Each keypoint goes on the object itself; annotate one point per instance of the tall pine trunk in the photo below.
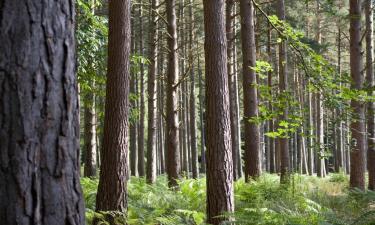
(39, 115)
(112, 190)
(219, 153)
(283, 86)
(357, 126)
(152, 96)
(252, 167)
(172, 151)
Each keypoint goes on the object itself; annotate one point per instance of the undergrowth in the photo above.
(308, 201)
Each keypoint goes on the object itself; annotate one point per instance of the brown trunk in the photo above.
(112, 190)
(357, 126)
(193, 127)
(152, 96)
(370, 83)
(220, 198)
(283, 86)
(141, 130)
(252, 167)
(172, 151)
(39, 115)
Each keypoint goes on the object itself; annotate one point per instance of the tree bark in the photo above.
(252, 167)
(172, 154)
(370, 83)
(193, 126)
(39, 115)
(219, 153)
(283, 86)
(357, 126)
(141, 129)
(152, 96)
(112, 190)
(90, 136)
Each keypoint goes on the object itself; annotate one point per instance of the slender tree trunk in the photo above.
(201, 118)
(340, 133)
(370, 83)
(141, 130)
(39, 115)
(283, 85)
(219, 153)
(133, 104)
(152, 96)
(193, 127)
(90, 136)
(112, 190)
(357, 126)
(252, 139)
(173, 155)
(271, 141)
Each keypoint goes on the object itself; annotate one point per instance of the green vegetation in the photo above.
(308, 201)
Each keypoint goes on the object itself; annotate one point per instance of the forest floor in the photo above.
(307, 201)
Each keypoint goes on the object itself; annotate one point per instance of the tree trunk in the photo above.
(201, 118)
(283, 86)
(370, 83)
(252, 139)
(90, 136)
(193, 127)
(357, 126)
(219, 153)
(152, 96)
(173, 155)
(141, 130)
(133, 103)
(112, 190)
(39, 115)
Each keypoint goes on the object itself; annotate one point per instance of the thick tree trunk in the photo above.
(152, 96)
(357, 126)
(90, 136)
(141, 128)
(283, 85)
(172, 153)
(252, 167)
(219, 153)
(112, 190)
(39, 115)
(370, 83)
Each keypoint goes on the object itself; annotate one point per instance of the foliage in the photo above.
(309, 201)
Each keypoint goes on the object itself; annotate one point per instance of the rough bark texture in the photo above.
(370, 83)
(39, 115)
(219, 153)
(233, 89)
(141, 128)
(112, 190)
(193, 126)
(283, 86)
(252, 167)
(172, 151)
(90, 136)
(357, 126)
(152, 96)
